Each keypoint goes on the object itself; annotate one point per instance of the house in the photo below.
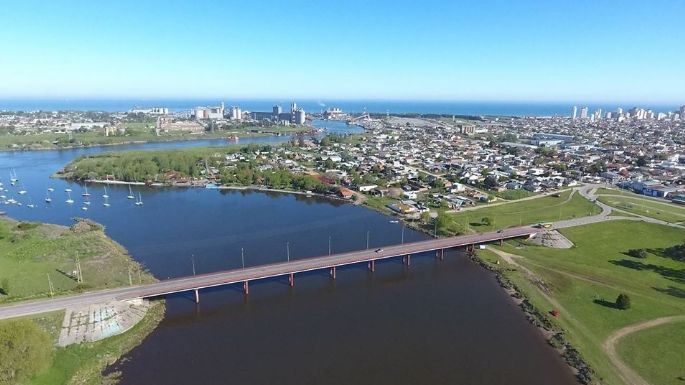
(346, 193)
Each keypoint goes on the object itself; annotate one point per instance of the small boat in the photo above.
(13, 177)
(130, 193)
(84, 208)
(87, 203)
(85, 193)
(394, 221)
(67, 190)
(105, 194)
(69, 200)
(30, 205)
(51, 189)
(47, 197)
(140, 200)
(106, 204)
(23, 190)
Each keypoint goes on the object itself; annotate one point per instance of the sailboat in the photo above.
(86, 193)
(67, 190)
(140, 200)
(69, 200)
(30, 205)
(51, 189)
(105, 194)
(106, 204)
(23, 190)
(13, 177)
(47, 197)
(130, 193)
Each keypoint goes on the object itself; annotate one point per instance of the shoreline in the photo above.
(165, 140)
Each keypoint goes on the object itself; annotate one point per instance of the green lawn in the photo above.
(667, 212)
(595, 270)
(666, 353)
(512, 195)
(543, 209)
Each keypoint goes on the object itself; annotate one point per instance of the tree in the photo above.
(623, 301)
(25, 350)
(486, 221)
(637, 253)
(490, 182)
(641, 161)
(5, 286)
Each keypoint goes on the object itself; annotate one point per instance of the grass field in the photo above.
(666, 353)
(585, 280)
(30, 252)
(512, 195)
(667, 212)
(543, 209)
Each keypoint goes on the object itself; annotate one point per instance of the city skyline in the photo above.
(580, 53)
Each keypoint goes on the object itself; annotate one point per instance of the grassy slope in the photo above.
(598, 257)
(40, 250)
(543, 209)
(665, 354)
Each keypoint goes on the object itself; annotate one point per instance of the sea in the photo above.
(470, 108)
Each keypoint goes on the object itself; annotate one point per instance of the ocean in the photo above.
(373, 106)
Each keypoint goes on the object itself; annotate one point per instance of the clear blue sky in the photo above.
(577, 51)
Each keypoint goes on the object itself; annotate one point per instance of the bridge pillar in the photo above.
(332, 273)
(441, 254)
(246, 287)
(291, 279)
(407, 259)
(501, 241)
(197, 296)
(372, 265)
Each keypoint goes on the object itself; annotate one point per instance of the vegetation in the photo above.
(545, 209)
(578, 281)
(662, 363)
(84, 363)
(135, 133)
(667, 212)
(623, 301)
(36, 251)
(512, 195)
(233, 165)
(637, 253)
(25, 350)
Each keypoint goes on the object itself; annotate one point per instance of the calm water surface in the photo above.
(430, 323)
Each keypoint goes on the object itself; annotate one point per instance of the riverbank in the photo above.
(51, 141)
(39, 260)
(574, 292)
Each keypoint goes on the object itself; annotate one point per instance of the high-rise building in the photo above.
(277, 110)
(682, 112)
(583, 113)
(575, 112)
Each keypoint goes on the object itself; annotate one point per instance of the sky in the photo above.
(524, 50)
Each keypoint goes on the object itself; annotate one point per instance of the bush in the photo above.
(25, 350)
(623, 301)
(5, 286)
(637, 253)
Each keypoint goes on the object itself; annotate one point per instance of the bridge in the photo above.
(245, 275)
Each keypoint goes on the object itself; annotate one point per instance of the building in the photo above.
(209, 112)
(235, 113)
(584, 113)
(277, 110)
(333, 113)
(682, 112)
(575, 112)
(466, 128)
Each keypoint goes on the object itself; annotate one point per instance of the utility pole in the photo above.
(52, 288)
(130, 280)
(192, 259)
(242, 256)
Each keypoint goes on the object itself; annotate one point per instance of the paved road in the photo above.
(253, 273)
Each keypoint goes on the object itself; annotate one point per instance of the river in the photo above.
(434, 322)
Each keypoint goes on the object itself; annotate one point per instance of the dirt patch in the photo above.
(551, 238)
